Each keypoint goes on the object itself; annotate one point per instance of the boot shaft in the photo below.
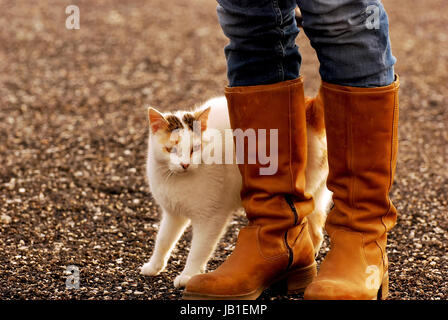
(361, 126)
(276, 202)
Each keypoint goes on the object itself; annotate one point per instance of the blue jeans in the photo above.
(351, 39)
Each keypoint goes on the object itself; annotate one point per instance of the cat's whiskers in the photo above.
(163, 169)
(169, 175)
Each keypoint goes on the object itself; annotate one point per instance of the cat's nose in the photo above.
(185, 165)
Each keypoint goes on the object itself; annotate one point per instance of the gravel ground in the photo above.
(73, 133)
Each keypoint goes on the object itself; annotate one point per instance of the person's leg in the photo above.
(262, 48)
(360, 96)
(265, 93)
(351, 39)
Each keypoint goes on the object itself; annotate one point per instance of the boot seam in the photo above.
(291, 178)
(365, 255)
(363, 249)
(393, 138)
(350, 165)
(392, 141)
(290, 140)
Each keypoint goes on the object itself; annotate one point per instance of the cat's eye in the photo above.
(196, 148)
(171, 149)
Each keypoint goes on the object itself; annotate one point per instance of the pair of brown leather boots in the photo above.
(361, 127)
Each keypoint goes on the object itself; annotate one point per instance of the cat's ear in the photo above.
(202, 116)
(156, 120)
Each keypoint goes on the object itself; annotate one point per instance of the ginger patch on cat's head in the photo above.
(201, 117)
(170, 123)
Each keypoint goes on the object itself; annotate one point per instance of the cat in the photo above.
(207, 195)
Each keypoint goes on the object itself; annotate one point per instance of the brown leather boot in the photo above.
(276, 244)
(361, 127)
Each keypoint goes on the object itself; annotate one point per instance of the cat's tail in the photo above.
(315, 114)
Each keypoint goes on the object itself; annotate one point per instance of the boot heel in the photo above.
(383, 292)
(299, 279)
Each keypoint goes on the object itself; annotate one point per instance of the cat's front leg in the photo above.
(206, 235)
(171, 228)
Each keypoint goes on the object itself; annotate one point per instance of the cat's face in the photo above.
(176, 139)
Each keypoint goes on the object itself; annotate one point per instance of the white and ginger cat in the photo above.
(207, 195)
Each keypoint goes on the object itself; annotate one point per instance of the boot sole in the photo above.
(297, 280)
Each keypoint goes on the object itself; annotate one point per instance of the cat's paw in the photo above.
(152, 268)
(182, 279)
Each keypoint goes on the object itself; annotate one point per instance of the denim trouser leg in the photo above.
(262, 35)
(351, 39)
(352, 48)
